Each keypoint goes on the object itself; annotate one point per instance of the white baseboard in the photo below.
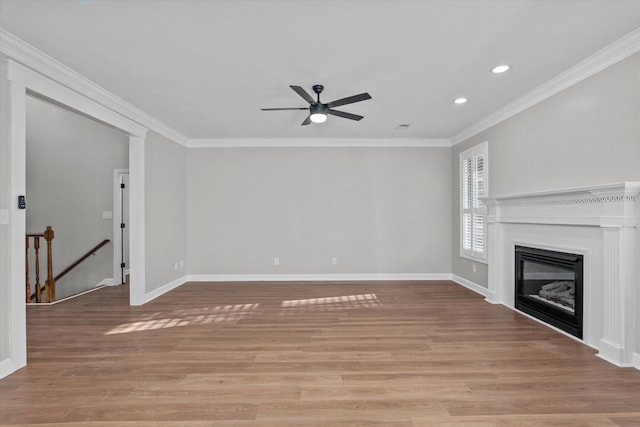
(471, 285)
(107, 282)
(150, 296)
(44, 304)
(636, 361)
(6, 368)
(313, 277)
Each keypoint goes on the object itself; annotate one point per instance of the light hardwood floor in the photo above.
(308, 354)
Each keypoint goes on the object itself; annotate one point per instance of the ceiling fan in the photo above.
(318, 111)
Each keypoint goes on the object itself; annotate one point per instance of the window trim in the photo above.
(481, 149)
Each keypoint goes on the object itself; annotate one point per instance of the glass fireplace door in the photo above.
(549, 287)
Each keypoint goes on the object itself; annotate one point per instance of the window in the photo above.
(473, 186)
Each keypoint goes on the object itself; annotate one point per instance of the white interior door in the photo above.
(121, 226)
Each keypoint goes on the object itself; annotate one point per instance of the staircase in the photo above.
(32, 240)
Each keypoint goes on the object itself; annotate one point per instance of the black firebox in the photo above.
(549, 287)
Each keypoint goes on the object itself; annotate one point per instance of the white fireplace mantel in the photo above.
(598, 222)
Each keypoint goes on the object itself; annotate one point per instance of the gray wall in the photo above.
(70, 164)
(377, 210)
(589, 134)
(165, 211)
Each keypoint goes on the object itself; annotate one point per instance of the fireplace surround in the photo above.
(598, 223)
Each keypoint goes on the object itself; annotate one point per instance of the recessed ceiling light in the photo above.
(498, 69)
(460, 101)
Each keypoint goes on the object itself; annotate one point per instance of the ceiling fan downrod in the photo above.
(318, 90)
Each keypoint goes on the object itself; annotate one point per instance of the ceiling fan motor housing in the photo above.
(317, 108)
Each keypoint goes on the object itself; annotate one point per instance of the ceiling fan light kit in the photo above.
(318, 111)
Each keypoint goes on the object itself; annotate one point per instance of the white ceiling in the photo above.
(206, 67)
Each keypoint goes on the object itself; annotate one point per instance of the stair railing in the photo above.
(49, 288)
(50, 283)
(82, 258)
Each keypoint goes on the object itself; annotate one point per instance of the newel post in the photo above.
(50, 283)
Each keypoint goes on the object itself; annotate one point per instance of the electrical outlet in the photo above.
(474, 268)
(175, 267)
(181, 263)
(334, 261)
(276, 261)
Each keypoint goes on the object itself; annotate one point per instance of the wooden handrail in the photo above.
(82, 258)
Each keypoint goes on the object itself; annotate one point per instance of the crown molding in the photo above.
(318, 142)
(27, 55)
(604, 58)
(53, 92)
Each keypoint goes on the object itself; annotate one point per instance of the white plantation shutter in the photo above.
(473, 186)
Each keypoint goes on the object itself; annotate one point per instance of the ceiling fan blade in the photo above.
(282, 109)
(303, 93)
(349, 100)
(344, 115)
(307, 121)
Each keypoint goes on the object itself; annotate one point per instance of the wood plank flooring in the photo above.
(399, 354)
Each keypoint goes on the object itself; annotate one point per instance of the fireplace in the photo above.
(600, 223)
(549, 286)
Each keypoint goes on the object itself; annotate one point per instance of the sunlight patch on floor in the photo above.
(345, 302)
(195, 316)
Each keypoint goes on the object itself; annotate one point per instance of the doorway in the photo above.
(16, 81)
(69, 165)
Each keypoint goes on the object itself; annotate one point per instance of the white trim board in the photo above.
(6, 368)
(319, 142)
(52, 91)
(150, 296)
(314, 277)
(137, 220)
(103, 284)
(14, 139)
(470, 285)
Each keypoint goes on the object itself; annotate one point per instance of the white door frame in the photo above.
(19, 80)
